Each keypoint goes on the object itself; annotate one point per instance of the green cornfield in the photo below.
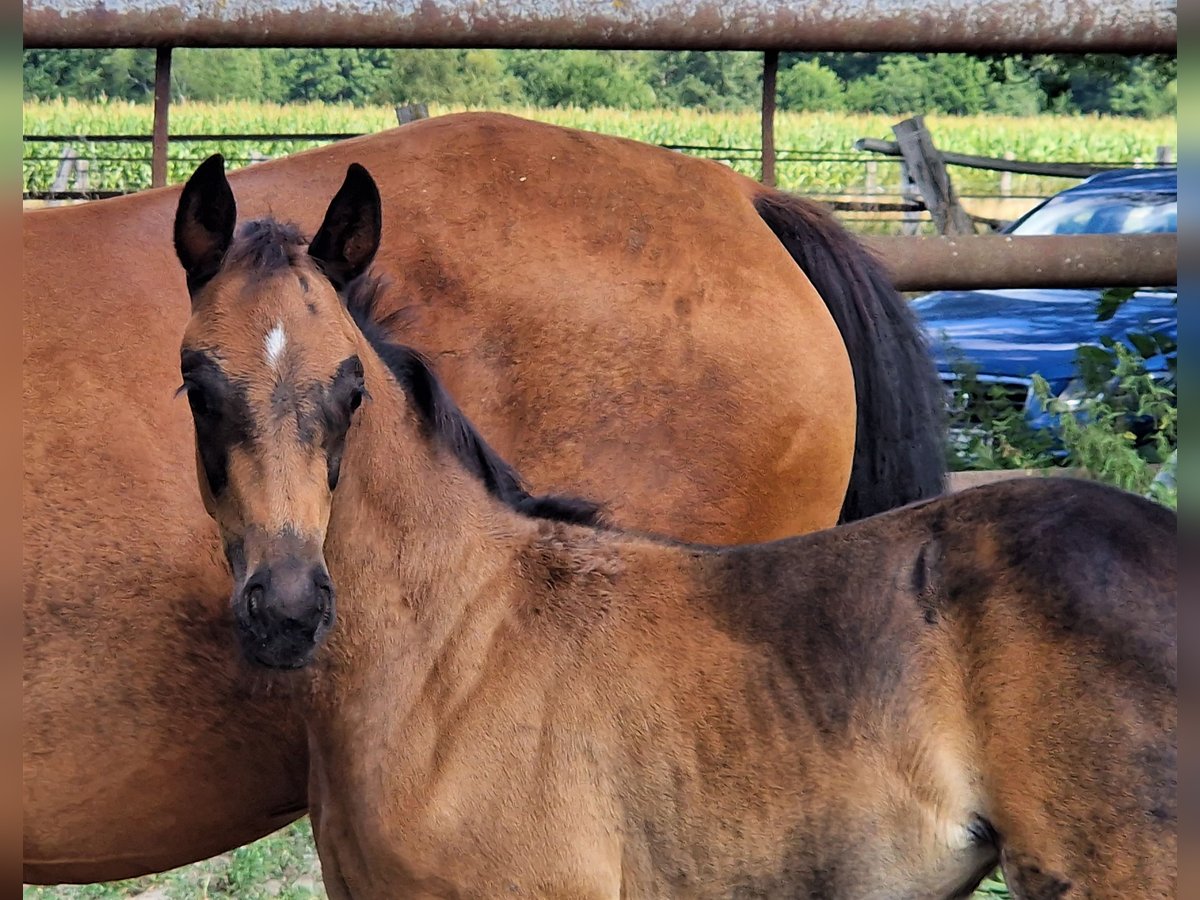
(816, 152)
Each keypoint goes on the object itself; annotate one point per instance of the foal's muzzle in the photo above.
(283, 611)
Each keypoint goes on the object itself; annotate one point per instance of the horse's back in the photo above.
(685, 346)
(1079, 561)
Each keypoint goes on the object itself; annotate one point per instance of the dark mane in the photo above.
(265, 245)
(449, 424)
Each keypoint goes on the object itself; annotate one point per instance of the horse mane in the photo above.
(449, 424)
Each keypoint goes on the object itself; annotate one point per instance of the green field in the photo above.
(1044, 138)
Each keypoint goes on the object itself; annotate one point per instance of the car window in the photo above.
(1133, 213)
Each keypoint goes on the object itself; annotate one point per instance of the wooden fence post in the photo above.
(928, 170)
(411, 112)
(67, 162)
(910, 220)
(1006, 177)
(1162, 155)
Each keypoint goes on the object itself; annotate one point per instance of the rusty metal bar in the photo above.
(1005, 261)
(770, 69)
(1130, 26)
(162, 108)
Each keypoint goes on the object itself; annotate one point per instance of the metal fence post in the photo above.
(770, 68)
(162, 102)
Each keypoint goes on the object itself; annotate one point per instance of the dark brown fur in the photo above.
(691, 379)
(517, 706)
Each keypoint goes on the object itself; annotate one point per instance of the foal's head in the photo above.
(272, 375)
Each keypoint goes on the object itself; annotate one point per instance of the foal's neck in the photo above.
(422, 557)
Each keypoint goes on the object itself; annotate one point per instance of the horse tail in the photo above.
(899, 450)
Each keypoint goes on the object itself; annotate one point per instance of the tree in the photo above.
(1150, 90)
(940, 82)
(809, 86)
(89, 74)
(709, 79)
(1093, 82)
(337, 75)
(585, 78)
(213, 75)
(470, 77)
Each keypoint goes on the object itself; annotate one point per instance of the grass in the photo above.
(282, 866)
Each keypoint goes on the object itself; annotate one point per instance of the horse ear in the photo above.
(204, 222)
(349, 236)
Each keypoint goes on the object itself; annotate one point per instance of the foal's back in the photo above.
(891, 708)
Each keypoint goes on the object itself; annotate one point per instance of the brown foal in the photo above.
(513, 700)
(712, 359)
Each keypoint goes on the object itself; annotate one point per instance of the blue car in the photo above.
(1006, 336)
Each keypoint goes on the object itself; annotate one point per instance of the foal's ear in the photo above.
(204, 222)
(349, 236)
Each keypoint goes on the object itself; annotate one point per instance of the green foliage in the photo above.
(989, 429)
(215, 75)
(1099, 434)
(1120, 424)
(1100, 82)
(337, 75)
(89, 74)
(474, 78)
(1143, 95)
(892, 84)
(940, 82)
(583, 78)
(808, 86)
(1015, 95)
(707, 79)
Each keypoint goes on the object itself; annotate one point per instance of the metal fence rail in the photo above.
(1129, 26)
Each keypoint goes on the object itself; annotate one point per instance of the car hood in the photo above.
(1016, 333)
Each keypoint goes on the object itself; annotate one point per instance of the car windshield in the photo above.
(1132, 213)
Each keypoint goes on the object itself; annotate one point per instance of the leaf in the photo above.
(1145, 344)
(1111, 299)
(1166, 343)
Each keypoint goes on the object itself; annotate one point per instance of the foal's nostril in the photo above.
(254, 596)
(254, 593)
(324, 588)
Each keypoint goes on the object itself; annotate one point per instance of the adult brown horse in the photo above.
(625, 321)
(511, 703)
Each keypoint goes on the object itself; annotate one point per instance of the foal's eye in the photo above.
(198, 401)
